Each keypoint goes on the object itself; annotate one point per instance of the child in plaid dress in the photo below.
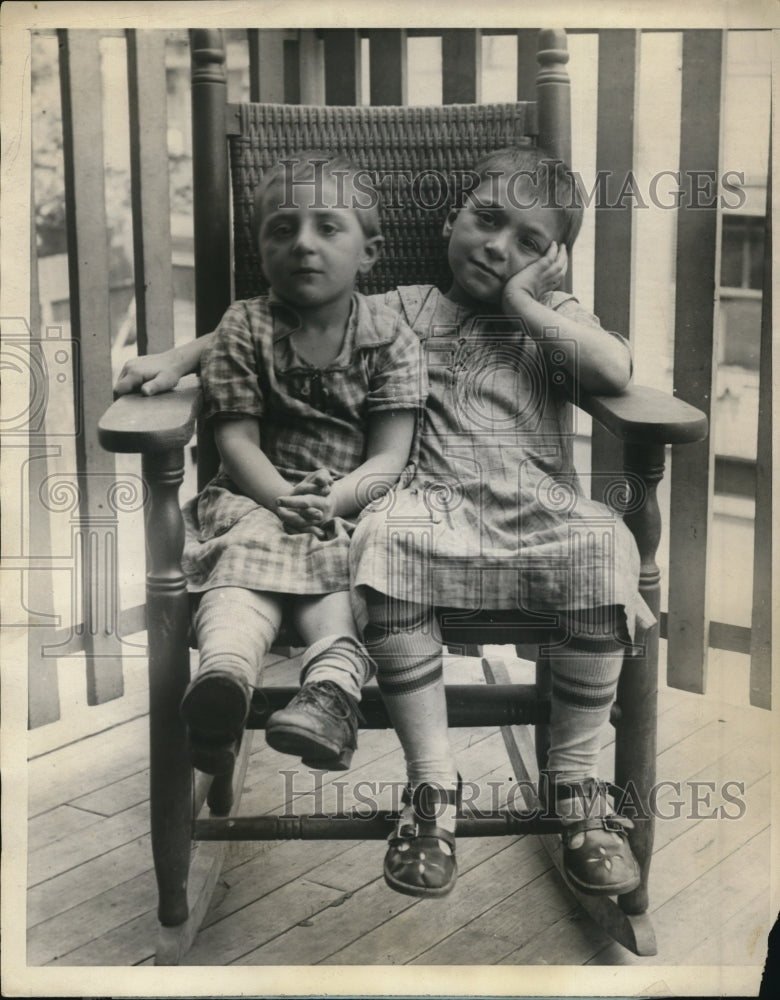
(313, 393)
(494, 515)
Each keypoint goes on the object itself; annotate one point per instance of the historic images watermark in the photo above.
(433, 190)
(365, 799)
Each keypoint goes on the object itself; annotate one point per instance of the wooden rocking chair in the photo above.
(243, 140)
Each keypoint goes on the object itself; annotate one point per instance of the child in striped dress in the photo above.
(494, 516)
(313, 393)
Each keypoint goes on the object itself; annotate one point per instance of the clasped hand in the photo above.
(310, 505)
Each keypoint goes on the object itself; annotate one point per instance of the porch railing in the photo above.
(319, 67)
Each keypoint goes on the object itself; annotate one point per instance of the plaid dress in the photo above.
(310, 418)
(494, 515)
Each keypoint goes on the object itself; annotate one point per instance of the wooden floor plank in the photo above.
(504, 927)
(401, 939)
(740, 940)
(99, 838)
(127, 944)
(571, 940)
(117, 796)
(372, 907)
(51, 826)
(61, 935)
(227, 940)
(88, 881)
(675, 811)
(61, 776)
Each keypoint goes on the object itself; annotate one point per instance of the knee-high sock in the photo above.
(585, 674)
(235, 630)
(404, 642)
(338, 658)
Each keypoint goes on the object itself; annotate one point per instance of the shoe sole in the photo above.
(315, 753)
(215, 710)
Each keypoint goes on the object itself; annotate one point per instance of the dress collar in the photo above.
(367, 325)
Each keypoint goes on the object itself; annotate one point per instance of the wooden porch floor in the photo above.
(91, 896)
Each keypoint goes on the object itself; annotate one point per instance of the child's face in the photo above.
(312, 256)
(496, 234)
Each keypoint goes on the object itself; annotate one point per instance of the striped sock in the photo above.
(404, 642)
(585, 673)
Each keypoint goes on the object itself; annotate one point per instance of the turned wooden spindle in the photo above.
(553, 94)
(168, 617)
(211, 202)
(635, 733)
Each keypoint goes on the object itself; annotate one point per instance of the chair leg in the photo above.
(635, 757)
(637, 696)
(167, 613)
(170, 801)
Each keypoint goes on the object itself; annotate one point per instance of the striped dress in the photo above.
(494, 515)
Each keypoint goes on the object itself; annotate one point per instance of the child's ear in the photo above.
(449, 222)
(372, 247)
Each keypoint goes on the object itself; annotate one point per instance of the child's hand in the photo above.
(318, 482)
(305, 512)
(544, 275)
(149, 374)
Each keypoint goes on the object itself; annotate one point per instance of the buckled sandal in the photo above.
(597, 857)
(215, 708)
(420, 858)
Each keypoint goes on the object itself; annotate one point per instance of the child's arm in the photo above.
(389, 440)
(150, 374)
(599, 361)
(238, 441)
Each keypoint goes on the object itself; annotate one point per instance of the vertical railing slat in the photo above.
(149, 190)
(461, 51)
(94, 530)
(617, 92)
(292, 71)
(266, 65)
(388, 66)
(526, 64)
(698, 263)
(761, 630)
(342, 66)
(311, 67)
(43, 696)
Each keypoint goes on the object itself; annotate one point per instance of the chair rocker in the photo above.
(243, 140)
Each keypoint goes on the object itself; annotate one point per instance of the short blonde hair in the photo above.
(311, 165)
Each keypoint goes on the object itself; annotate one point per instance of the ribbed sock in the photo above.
(404, 642)
(585, 673)
(341, 659)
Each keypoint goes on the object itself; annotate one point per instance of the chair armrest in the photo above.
(642, 415)
(145, 424)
